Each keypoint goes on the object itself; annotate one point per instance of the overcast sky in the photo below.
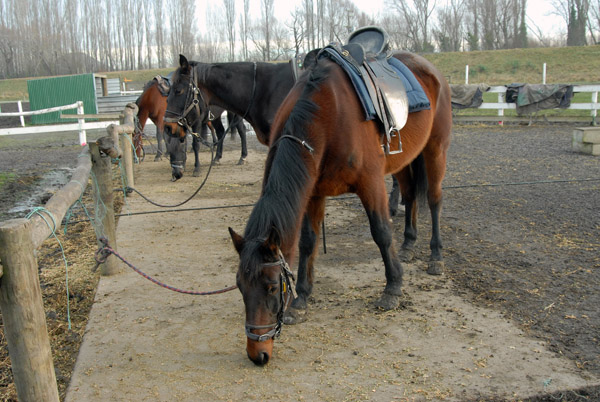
(539, 11)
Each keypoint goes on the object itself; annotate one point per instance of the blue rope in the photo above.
(39, 211)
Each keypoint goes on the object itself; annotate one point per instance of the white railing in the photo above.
(80, 126)
(592, 106)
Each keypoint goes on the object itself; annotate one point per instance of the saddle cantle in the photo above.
(386, 88)
(164, 84)
(374, 40)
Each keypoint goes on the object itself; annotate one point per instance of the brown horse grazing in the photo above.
(322, 146)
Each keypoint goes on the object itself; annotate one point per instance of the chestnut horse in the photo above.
(152, 104)
(322, 146)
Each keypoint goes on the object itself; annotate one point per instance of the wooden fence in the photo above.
(20, 294)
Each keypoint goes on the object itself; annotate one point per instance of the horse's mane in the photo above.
(286, 176)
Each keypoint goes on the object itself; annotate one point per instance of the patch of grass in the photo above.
(5, 178)
(572, 65)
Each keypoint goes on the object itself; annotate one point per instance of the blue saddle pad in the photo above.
(417, 99)
(416, 96)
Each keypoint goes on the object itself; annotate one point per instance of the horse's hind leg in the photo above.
(435, 163)
(242, 131)
(394, 200)
(309, 234)
(410, 214)
(374, 199)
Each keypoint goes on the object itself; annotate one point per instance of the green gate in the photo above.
(59, 91)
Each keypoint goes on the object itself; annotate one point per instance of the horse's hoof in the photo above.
(196, 173)
(216, 162)
(406, 254)
(388, 302)
(157, 158)
(294, 316)
(435, 267)
(242, 161)
(299, 303)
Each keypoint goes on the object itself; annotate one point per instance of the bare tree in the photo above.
(575, 15)
(594, 21)
(296, 26)
(266, 25)
(244, 26)
(183, 26)
(450, 32)
(416, 15)
(230, 26)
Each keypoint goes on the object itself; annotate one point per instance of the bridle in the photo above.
(287, 292)
(192, 102)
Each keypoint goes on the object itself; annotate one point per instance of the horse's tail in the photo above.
(419, 178)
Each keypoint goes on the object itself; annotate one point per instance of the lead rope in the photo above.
(105, 251)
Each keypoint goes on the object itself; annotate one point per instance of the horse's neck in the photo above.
(226, 87)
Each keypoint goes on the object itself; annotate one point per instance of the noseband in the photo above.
(287, 292)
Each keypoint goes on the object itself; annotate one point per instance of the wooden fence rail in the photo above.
(20, 294)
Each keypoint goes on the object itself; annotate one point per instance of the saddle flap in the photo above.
(393, 92)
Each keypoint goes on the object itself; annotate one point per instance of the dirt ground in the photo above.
(513, 318)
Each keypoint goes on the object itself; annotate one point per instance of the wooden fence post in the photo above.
(103, 195)
(127, 158)
(23, 315)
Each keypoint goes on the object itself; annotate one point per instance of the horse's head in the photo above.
(187, 109)
(266, 284)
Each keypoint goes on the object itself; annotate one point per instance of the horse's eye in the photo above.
(273, 289)
(180, 92)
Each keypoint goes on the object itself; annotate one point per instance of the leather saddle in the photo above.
(381, 91)
(164, 84)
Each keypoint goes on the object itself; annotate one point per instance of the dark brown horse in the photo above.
(152, 103)
(322, 146)
(251, 90)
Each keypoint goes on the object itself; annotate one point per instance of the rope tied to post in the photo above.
(104, 251)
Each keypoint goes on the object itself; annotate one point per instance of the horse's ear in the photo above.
(274, 240)
(238, 241)
(183, 62)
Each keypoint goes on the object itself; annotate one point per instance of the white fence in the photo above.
(80, 126)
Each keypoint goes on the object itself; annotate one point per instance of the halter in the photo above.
(192, 102)
(286, 281)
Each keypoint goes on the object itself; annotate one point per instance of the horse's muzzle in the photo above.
(176, 172)
(259, 352)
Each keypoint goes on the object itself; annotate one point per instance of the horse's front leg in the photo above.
(309, 234)
(196, 148)
(242, 131)
(374, 199)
